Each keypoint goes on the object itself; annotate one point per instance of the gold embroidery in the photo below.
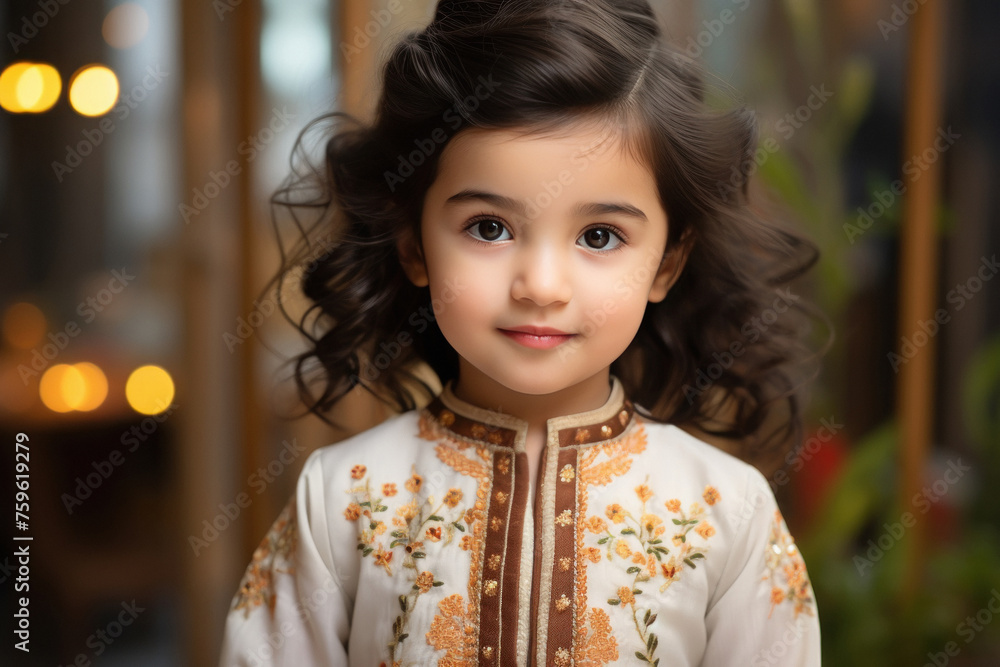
(606, 431)
(582, 436)
(565, 518)
(501, 497)
(503, 463)
(562, 658)
(447, 417)
(565, 563)
(562, 604)
(495, 437)
(496, 523)
(478, 431)
(623, 417)
(494, 563)
(567, 474)
(491, 587)
(488, 652)
(272, 556)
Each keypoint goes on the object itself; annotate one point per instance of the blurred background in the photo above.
(144, 359)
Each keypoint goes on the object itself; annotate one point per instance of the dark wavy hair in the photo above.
(715, 356)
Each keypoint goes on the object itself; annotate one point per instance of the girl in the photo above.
(544, 212)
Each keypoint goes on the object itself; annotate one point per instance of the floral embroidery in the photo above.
(257, 587)
(639, 543)
(787, 570)
(567, 474)
(414, 522)
(452, 632)
(594, 642)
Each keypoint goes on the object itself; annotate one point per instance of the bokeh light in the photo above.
(93, 90)
(9, 79)
(95, 387)
(38, 88)
(125, 25)
(29, 87)
(24, 325)
(149, 390)
(53, 384)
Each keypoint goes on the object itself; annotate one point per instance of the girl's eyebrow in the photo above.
(511, 204)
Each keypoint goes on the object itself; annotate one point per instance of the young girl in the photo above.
(544, 212)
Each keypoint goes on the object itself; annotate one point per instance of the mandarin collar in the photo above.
(488, 427)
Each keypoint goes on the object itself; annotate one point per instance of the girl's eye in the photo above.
(489, 230)
(600, 238)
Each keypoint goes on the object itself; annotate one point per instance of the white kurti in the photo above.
(423, 542)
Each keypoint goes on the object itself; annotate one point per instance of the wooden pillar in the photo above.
(919, 271)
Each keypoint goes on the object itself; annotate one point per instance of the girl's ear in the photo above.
(670, 268)
(412, 259)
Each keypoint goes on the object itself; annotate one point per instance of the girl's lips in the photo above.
(539, 338)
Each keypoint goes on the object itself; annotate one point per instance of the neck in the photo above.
(535, 409)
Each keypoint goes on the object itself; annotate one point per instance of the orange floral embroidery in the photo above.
(711, 495)
(383, 559)
(452, 633)
(616, 513)
(269, 558)
(352, 512)
(596, 525)
(414, 484)
(453, 497)
(358, 471)
(595, 644)
(623, 550)
(593, 555)
(787, 571)
(673, 505)
(643, 492)
(424, 581)
(705, 529)
(625, 595)
(433, 533)
(652, 524)
(389, 490)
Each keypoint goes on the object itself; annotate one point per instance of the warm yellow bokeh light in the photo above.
(24, 325)
(149, 390)
(52, 385)
(125, 25)
(93, 90)
(95, 387)
(8, 86)
(38, 88)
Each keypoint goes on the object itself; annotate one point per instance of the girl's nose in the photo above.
(543, 278)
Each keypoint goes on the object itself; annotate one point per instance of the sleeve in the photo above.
(290, 608)
(763, 613)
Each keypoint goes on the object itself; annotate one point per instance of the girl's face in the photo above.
(541, 253)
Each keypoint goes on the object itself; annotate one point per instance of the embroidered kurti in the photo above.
(424, 542)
